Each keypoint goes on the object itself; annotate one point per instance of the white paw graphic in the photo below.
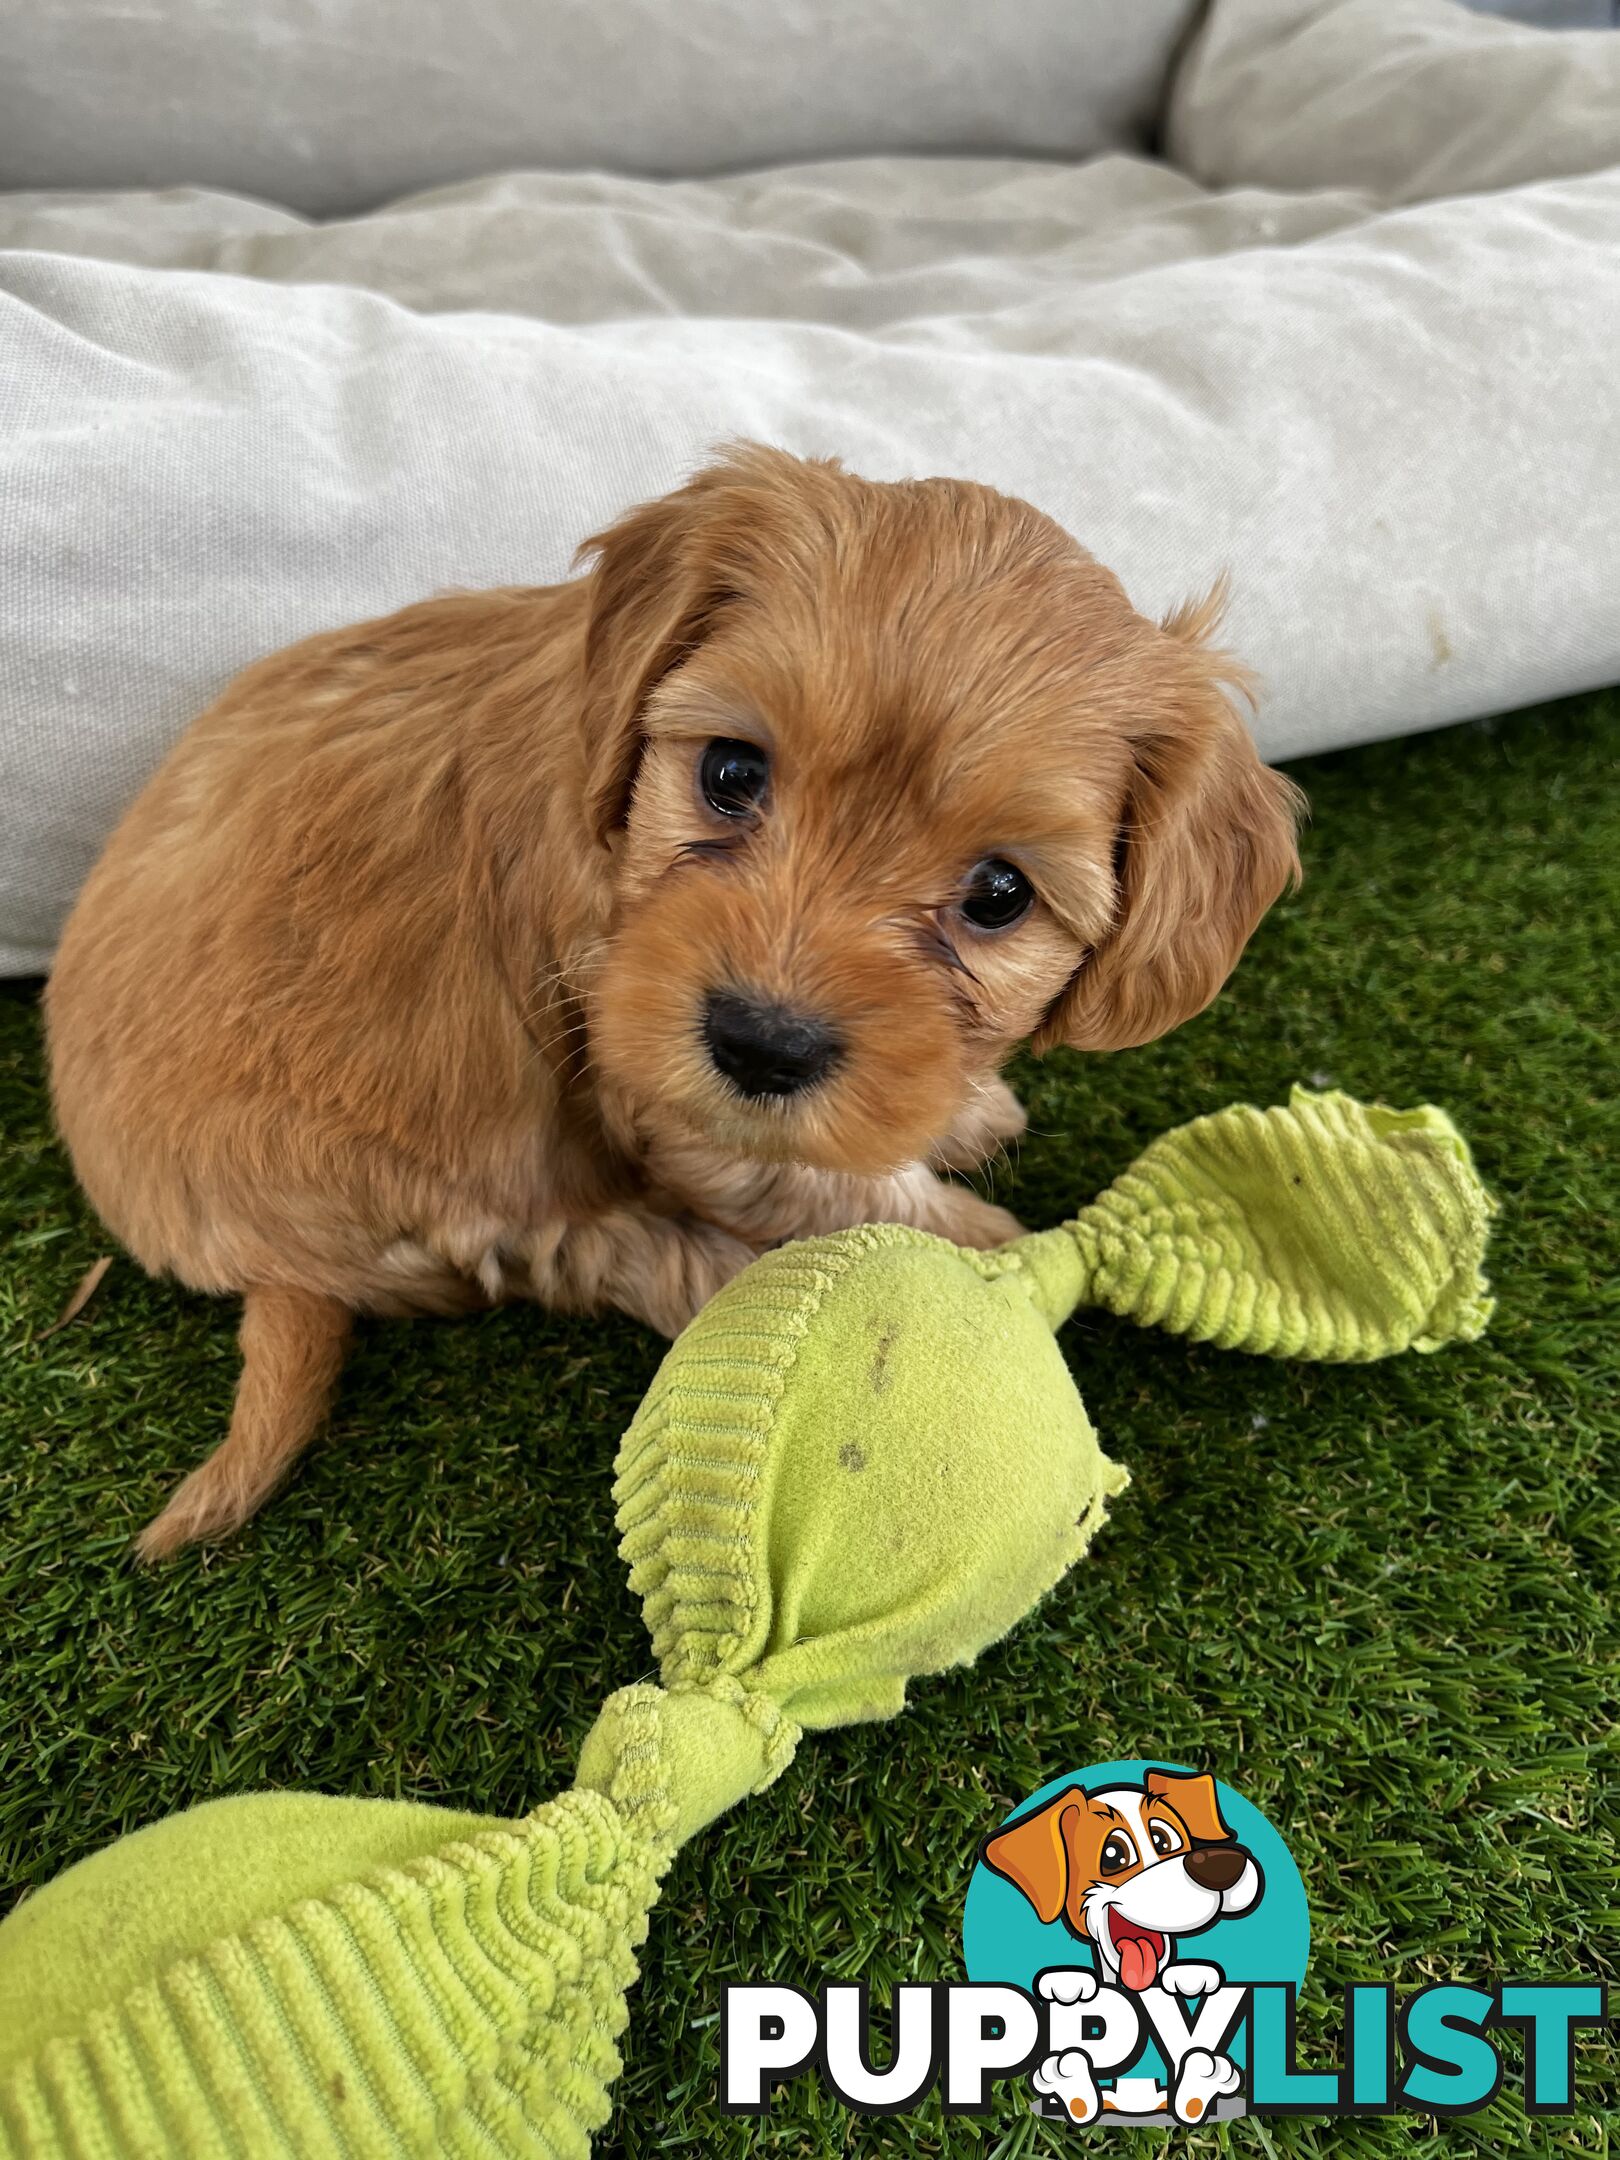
(1202, 2078)
(1068, 2077)
(1068, 1984)
(1190, 1979)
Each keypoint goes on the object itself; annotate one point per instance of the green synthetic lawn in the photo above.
(1374, 1598)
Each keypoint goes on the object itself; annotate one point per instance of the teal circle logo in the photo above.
(1127, 1887)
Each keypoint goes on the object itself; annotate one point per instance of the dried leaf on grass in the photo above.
(88, 1284)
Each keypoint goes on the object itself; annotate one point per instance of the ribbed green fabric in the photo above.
(864, 1461)
(1327, 1229)
(466, 2003)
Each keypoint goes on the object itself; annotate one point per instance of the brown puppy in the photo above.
(577, 943)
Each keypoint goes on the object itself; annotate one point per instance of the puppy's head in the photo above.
(894, 778)
(1130, 1869)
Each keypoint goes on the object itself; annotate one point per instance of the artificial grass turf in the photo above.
(1377, 1599)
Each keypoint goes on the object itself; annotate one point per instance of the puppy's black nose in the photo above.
(1216, 1867)
(765, 1049)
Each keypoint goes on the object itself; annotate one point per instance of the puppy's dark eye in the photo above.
(1163, 1838)
(997, 895)
(1118, 1852)
(733, 776)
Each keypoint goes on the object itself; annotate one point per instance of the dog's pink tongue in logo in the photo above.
(1140, 1952)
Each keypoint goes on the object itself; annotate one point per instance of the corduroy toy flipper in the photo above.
(864, 1461)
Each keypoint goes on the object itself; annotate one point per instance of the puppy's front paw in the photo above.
(661, 1269)
(1202, 2079)
(700, 1259)
(990, 1117)
(1067, 1984)
(1188, 1978)
(967, 1220)
(1070, 2079)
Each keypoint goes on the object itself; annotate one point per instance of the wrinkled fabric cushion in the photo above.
(1407, 98)
(223, 426)
(1388, 430)
(337, 107)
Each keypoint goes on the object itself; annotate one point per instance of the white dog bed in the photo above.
(1355, 340)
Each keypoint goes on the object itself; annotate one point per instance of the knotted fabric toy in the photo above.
(865, 1460)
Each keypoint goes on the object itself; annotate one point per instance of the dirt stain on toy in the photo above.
(852, 1457)
(880, 1375)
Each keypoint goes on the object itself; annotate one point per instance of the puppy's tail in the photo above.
(293, 1343)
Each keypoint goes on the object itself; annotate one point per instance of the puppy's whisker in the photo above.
(547, 994)
(538, 1018)
(1006, 1158)
(560, 1036)
(550, 987)
(555, 1042)
(577, 1025)
(579, 963)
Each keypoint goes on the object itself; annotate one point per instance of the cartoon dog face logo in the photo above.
(1129, 1870)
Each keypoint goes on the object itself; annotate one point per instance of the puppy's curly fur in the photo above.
(388, 994)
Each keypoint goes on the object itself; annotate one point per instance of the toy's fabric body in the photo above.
(864, 1461)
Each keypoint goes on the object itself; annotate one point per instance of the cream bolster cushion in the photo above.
(335, 107)
(1407, 98)
(1394, 433)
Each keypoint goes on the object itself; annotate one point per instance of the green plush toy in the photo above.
(865, 1460)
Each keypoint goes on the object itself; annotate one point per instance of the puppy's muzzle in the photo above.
(765, 1049)
(1216, 1867)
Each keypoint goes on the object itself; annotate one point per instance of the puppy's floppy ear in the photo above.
(1195, 1801)
(1206, 843)
(658, 580)
(1033, 1854)
(662, 577)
